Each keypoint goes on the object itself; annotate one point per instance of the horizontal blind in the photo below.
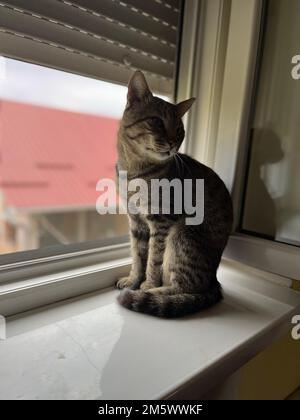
(105, 39)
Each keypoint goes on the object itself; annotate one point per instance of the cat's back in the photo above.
(196, 170)
(216, 195)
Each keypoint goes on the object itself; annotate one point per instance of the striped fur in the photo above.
(168, 305)
(174, 265)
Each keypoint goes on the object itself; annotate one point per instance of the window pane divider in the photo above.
(41, 289)
(60, 262)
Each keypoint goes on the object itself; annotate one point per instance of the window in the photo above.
(272, 198)
(251, 43)
(58, 123)
(106, 41)
(58, 138)
(64, 67)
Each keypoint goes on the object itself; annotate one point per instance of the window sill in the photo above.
(91, 348)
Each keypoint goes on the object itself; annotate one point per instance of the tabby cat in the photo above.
(174, 264)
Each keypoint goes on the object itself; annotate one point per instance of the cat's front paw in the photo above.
(124, 282)
(146, 285)
(128, 282)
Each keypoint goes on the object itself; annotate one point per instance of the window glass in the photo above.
(57, 139)
(272, 198)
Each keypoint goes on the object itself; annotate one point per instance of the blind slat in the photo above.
(34, 27)
(101, 26)
(155, 10)
(117, 36)
(37, 53)
(125, 15)
(175, 4)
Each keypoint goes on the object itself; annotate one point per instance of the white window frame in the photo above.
(36, 282)
(226, 61)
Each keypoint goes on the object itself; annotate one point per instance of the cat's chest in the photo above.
(135, 196)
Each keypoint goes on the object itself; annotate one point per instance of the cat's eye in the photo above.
(157, 122)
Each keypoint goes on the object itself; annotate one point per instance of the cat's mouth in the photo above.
(162, 155)
(170, 152)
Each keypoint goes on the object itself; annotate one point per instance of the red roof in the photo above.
(53, 158)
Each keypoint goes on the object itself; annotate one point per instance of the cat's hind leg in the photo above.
(190, 261)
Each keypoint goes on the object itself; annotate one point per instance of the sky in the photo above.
(42, 86)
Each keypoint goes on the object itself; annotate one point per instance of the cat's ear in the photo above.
(184, 106)
(138, 89)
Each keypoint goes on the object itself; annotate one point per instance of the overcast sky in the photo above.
(29, 83)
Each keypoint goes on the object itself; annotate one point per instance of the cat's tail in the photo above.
(168, 305)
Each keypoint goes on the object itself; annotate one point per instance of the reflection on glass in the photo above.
(272, 199)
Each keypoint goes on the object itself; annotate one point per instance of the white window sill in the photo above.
(91, 348)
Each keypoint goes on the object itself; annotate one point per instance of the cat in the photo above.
(174, 264)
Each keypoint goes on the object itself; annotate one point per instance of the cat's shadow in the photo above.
(260, 213)
(145, 339)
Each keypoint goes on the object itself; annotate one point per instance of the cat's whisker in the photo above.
(180, 163)
(183, 164)
(177, 164)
